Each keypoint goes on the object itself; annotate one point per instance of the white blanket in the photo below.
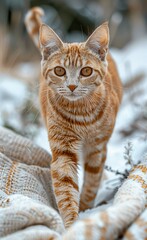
(28, 209)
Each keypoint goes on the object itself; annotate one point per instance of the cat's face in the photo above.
(74, 70)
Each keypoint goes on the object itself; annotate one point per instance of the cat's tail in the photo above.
(33, 20)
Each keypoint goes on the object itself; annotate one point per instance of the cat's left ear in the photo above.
(98, 42)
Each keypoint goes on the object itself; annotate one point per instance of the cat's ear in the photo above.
(98, 42)
(49, 41)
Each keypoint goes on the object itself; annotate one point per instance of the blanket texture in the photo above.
(28, 209)
(27, 205)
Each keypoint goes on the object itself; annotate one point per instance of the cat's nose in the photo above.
(72, 87)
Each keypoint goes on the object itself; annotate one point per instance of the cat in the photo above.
(80, 94)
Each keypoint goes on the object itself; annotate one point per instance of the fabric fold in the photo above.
(26, 194)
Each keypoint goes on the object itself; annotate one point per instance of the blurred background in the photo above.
(74, 21)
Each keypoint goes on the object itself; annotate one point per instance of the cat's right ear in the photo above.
(49, 41)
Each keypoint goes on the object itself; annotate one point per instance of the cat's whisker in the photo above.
(107, 83)
(37, 114)
(11, 62)
(37, 86)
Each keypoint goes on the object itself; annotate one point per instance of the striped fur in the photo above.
(79, 122)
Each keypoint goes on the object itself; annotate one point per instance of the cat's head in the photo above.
(74, 70)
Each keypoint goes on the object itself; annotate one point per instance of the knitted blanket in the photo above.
(28, 209)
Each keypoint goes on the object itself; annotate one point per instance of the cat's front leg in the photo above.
(65, 183)
(94, 162)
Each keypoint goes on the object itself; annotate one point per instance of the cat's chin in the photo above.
(72, 97)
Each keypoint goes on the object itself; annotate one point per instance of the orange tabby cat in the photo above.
(80, 93)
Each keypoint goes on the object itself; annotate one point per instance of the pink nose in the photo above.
(72, 87)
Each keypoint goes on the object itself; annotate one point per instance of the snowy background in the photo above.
(20, 68)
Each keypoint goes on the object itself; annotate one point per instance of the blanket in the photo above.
(28, 208)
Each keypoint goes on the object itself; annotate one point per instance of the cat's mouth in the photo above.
(72, 96)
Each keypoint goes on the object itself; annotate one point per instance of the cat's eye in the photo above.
(86, 71)
(59, 71)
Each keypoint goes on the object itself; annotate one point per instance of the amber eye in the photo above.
(59, 71)
(86, 71)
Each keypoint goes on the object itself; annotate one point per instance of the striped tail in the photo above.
(33, 20)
